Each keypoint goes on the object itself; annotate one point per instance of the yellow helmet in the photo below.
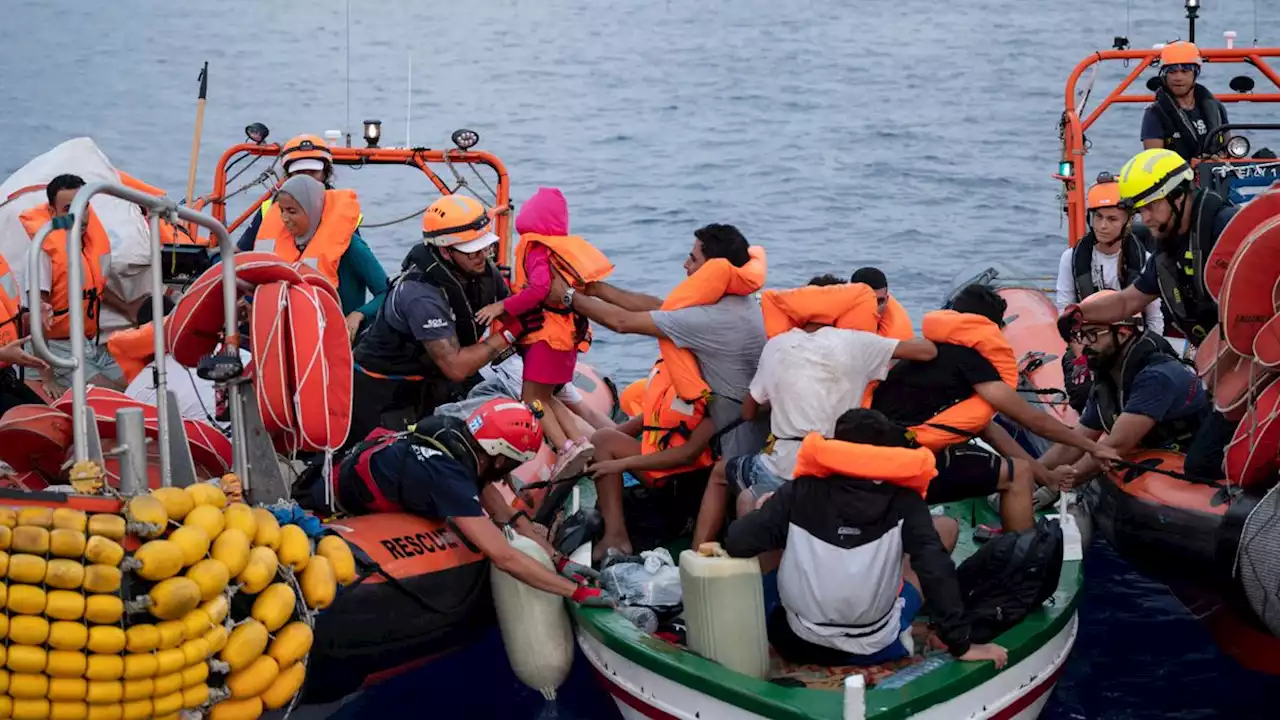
(1151, 175)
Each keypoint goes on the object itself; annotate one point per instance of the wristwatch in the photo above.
(567, 298)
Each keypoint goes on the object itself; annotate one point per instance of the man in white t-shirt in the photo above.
(808, 377)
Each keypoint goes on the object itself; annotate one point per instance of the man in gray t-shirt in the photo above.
(726, 338)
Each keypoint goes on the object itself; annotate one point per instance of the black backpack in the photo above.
(1009, 577)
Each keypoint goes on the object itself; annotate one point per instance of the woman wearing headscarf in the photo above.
(318, 227)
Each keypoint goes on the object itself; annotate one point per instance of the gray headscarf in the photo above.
(309, 193)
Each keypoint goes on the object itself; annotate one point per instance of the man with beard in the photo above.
(1184, 112)
(1143, 396)
(425, 347)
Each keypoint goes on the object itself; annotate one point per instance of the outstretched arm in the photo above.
(1124, 437)
(617, 319)
(625, 299)
(915, 349)
(493, 544)
(459, 363)
(1008, 401)
(1116, 306)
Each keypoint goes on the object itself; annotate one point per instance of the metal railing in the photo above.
(157, 208)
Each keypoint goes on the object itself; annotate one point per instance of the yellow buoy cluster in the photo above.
(94, 631)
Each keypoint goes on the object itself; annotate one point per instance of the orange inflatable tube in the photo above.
(969, 416)
(910, 468)
(1032, 334)
(1261, 208)
(1164, 490)
(715, 279)
(35, 438)
(1248, 306)
(848, 307)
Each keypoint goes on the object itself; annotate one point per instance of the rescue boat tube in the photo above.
(35, 438)
(1170, 529)
(534, 624)
(1251, 456)
(1260, 209)
(210, 449)
(598, 392)
(1031, 328)
(195, 326)
(1248, 291)
(419, 592)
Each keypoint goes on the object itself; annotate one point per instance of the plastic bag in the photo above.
(653, 581)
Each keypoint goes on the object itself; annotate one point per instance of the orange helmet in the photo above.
(1179, 53)
(460, 222)
(306, 147)
(1105, 193)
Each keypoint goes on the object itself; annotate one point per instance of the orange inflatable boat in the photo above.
(1031, 327)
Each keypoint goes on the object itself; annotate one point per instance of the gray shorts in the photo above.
(97, 361)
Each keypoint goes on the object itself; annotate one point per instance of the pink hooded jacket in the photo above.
(546, 213)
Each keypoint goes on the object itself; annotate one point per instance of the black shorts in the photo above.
(966, 471)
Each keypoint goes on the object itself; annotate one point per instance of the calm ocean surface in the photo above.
(916, 135)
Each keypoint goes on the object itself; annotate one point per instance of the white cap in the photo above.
(304, 164)
(476, 245)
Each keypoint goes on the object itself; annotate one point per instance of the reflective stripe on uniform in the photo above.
(9, 285)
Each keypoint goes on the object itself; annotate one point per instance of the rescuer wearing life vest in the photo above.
(424, 347)
(948, 401)
(100, 368)
(302, 155)
(894, 320)
(1143, 396)
(861, 551)
(446, 468)
(318, 227)
(823, 351)
(13, 391)
(710, 333)
(1109, 257)
(1184, 111)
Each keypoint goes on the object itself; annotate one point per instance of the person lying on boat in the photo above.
(319, 227)
(445, 469)
(1109, 257)
(822, 353)
(1143, 396)
(1184, 111)
(550, 354)
(894, 320)
(100, 369)
(710, 335)
(948, 401)
(425, 347)
(861, 552)
(1186, 222)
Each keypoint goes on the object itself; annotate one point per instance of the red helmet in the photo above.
(508, 428)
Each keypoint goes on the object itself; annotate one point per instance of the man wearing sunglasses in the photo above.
(1143, 396)
(1184, 112)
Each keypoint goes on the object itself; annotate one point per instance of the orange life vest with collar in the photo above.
(95, 252)
(669, 421)
(910, 468)
(848, 307)
(716, 278)
(971, 415)
(10, 306)
(338, 222)
(133, 349)
(895, 322)
(577, 262)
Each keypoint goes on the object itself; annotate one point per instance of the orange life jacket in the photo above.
(848, 307)
(133, 349)
(669, 421)
(95, 251)
(338, 222)
(910, 468)
(715, 279)
(10, 306)
(895, 322)
(631, 399)
(577, 262)
(973, 414)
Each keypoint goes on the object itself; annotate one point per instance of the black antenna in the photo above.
(1193, 11)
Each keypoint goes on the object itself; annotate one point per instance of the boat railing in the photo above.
(1073, 127)
(158, 208)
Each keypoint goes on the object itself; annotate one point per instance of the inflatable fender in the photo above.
(535, 625)
(35, 438)
(1257, 211)
(1249, 290)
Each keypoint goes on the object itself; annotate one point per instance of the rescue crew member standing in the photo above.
(95, 262)
(1109, 257)
(1143, 396)
(317, 227)
(445, 469)
(424, 347)
(1185, 112)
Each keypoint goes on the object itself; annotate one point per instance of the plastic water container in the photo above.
(724, 610)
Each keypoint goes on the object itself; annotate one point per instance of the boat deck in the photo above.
(894, 690)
